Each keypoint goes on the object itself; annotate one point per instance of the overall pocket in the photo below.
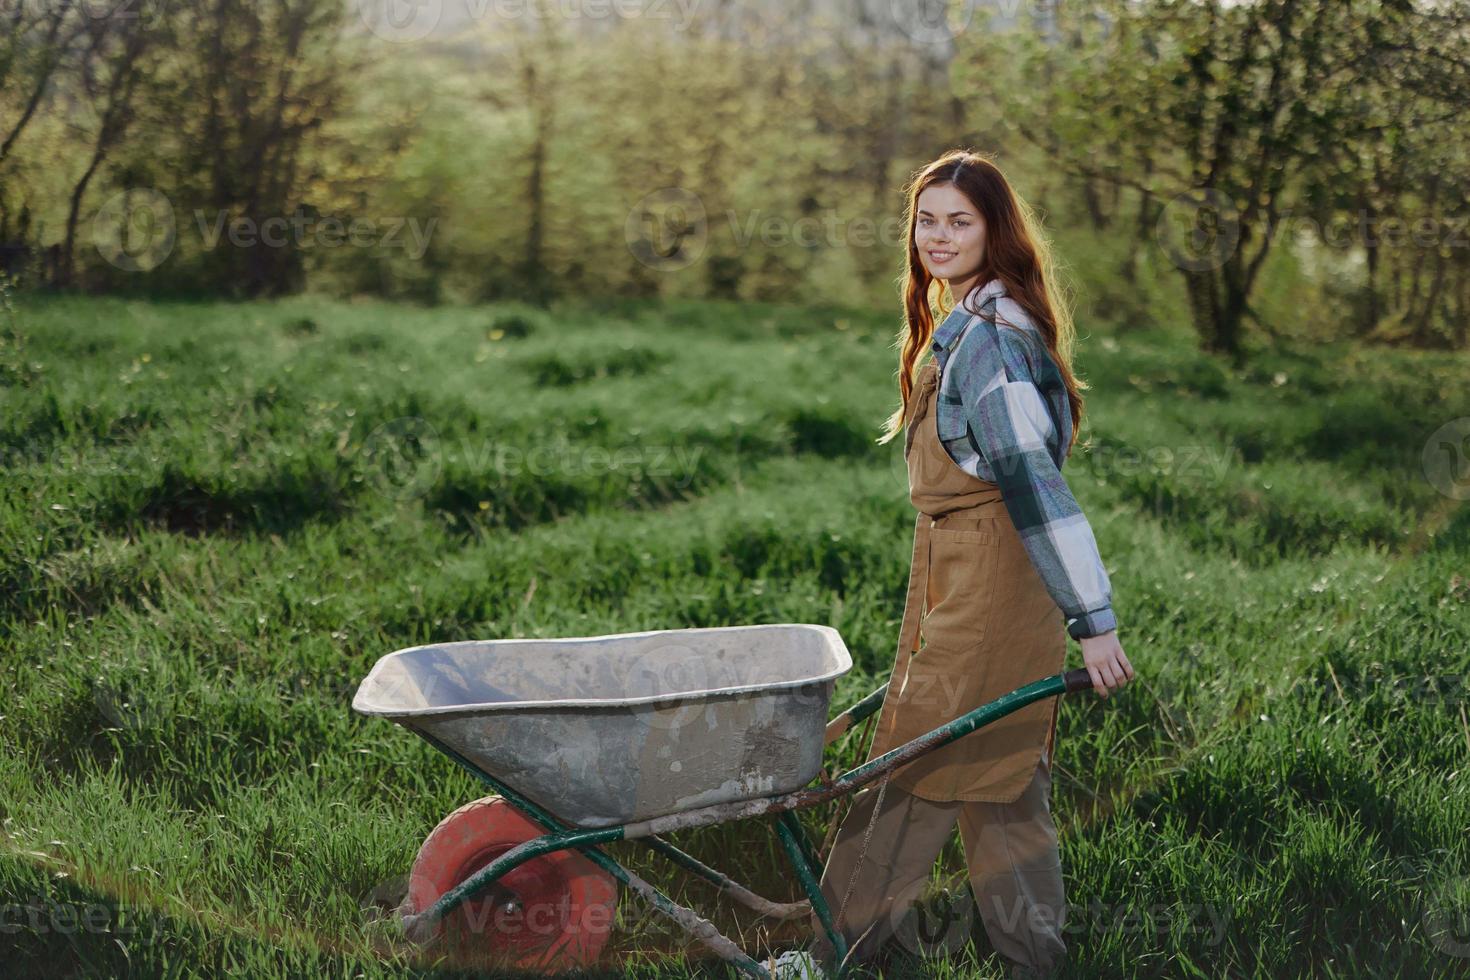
(949, 420)
(962, 589)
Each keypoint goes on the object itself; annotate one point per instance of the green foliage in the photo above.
(453, 170)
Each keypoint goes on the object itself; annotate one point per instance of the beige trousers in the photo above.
(1010, 850)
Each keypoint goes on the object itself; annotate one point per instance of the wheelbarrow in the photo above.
(629, 736)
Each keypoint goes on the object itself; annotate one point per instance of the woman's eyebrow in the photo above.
(951, 214)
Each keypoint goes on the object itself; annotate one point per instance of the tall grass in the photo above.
(217, 517)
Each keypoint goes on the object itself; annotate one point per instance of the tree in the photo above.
(1216, 113)
(111, 64)
(253, 84)
(36, 39)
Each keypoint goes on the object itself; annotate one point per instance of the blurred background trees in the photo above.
(1265, 169)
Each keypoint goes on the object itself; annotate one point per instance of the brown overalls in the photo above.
(989, 627)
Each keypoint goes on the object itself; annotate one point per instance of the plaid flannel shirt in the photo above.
(1002, 415)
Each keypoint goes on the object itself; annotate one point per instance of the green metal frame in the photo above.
(484, 878)
(809, 873)
(794, 840)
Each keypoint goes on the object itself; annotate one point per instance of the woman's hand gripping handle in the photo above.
(1107, 668)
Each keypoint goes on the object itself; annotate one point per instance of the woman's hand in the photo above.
(1106, 662)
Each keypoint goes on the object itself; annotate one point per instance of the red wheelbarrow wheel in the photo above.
(551, 914)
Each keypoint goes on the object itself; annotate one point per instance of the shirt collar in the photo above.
(946, 332)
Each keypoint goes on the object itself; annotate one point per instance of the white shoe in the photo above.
(796, 964)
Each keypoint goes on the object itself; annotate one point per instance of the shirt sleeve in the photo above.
(1008, 425)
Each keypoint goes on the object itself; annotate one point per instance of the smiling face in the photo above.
(950, 236)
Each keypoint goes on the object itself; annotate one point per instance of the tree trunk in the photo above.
(1230, 318)
(1370, 248)
(1199, 287)
(66, 266)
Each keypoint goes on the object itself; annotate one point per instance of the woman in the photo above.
(1004, 567)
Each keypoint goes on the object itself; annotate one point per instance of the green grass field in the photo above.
(206, 546)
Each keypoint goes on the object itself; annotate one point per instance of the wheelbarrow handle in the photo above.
(840, 725)
(1076, 681)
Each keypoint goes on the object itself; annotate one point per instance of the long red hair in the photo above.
(1016, 252)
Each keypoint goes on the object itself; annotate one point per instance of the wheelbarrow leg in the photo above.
(726, 884)
(792, 838)
(700, 927)
(805, 842)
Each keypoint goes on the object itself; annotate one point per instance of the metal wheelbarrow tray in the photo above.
(605, 730)
(635, 735)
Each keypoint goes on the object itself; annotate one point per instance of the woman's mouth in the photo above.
(941, 257)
